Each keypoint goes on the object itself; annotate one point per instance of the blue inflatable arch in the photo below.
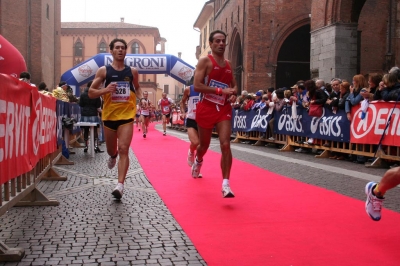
(144, 63)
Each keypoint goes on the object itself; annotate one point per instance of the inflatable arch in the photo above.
(144, 63)
(11, 61)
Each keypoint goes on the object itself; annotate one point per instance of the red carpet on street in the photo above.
(273, 220)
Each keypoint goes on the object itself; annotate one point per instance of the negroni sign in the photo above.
(142, 63)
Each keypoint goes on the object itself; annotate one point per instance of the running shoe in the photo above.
(227, 192)
(190, 158)
(111, 162)
(373, 205)
(144, 135)
(118, 191)
(196, 168)
(165, 133)
(300, 150)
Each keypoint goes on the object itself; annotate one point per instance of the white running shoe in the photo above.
(373, 205)
(196, 169)
(118, 191)
(227, 192)
(190, 158)
(111, 162)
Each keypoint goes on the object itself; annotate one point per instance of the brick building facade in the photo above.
(83, 40)
(34, 28)
(275, 43)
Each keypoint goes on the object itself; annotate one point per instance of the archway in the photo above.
(293, 62)
(236, 57)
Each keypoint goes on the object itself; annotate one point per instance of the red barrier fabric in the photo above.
(370, 129)
(176, 118)
(27, 127)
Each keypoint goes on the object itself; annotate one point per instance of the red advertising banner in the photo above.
(370, 129)
(176, 118)
(27, 127)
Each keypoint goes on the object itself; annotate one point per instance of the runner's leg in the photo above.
(224, 135)
(204, 141)
(125, 133)
(111, 141)
(389, 180)
(194, 138)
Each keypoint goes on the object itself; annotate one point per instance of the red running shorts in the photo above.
(209, 114)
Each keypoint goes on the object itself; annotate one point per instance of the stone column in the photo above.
(334, 52)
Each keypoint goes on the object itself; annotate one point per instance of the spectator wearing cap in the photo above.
(61, 92)
(258, 100)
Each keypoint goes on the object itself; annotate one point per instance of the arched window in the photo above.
(135, 48)
(78, 49)
(102, 48)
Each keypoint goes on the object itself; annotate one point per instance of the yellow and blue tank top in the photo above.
(120, 105)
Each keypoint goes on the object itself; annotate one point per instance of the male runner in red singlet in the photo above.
(215, 80)
(165, 106)
(119, 93)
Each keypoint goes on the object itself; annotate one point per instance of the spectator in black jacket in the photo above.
(90, 113)
(392, 90)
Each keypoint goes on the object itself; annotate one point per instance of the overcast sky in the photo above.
(173, 18)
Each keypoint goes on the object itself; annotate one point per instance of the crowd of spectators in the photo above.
(335, 95)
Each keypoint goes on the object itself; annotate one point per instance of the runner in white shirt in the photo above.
(192, 98)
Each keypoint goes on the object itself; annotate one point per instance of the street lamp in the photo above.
(388, 58)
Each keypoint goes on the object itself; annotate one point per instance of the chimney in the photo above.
(122, 19)
(179, 54)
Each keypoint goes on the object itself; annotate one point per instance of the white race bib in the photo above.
(122, 93)
(218, 99)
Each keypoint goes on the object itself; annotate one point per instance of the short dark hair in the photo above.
(42, 86)
(117, 40)
(271, 89)
(375, 78)
(211, 38)
(25, 75)
(62, 83)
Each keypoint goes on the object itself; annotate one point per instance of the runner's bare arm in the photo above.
(94, 90)
(202, 70)
(138, 90)
(184, 99)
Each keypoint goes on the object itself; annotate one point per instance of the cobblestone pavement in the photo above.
(89, 228)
